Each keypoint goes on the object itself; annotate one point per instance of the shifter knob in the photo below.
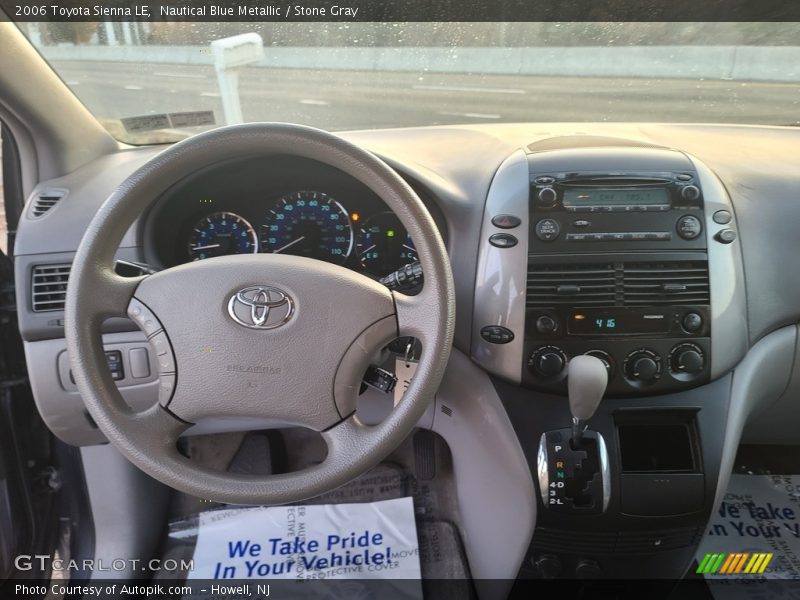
(587, 378)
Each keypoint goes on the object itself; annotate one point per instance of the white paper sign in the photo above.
(375, 540)
(759, 514)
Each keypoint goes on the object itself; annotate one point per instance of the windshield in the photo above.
(159, 82)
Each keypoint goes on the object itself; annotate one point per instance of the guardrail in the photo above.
(754, 63)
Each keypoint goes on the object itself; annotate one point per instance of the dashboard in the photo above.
(280, 205)
(666, 251)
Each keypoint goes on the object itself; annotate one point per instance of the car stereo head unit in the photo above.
(584, 211)
(594, 192)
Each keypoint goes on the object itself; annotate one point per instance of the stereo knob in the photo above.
(643, 366)
(690, 193)
(547, 362)
(687, 358)
(546, 324)
(547, 197)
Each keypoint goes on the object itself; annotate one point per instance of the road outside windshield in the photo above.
(159, 82)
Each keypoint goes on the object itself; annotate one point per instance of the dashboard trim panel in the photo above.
(502, 274)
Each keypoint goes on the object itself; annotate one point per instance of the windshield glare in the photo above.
(159, 82)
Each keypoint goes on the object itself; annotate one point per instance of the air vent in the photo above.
(648, 284)
(618, 284)
(49, 287)
(45, 200)
(571, 285)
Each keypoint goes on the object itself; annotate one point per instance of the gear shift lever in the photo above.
(587, 378)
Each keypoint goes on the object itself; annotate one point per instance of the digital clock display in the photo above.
(618, 197)
(616, 322)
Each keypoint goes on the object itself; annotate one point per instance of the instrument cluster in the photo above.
(330, 219)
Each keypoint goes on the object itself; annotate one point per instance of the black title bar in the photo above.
(402, 10)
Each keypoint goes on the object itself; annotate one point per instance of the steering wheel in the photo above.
(263, 336)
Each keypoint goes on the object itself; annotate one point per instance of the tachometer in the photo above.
(384, 245)
(222, 233)
(311, 224)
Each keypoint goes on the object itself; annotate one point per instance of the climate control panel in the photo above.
(635, 366)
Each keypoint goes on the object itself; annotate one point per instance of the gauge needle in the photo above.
(208, 247)
(290, 244)
(407, 247)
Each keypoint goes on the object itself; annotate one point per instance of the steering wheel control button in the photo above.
(166, 363)
(722, 217)
(143, 317)
(506, 221)
(114, 361)
(726, 236)
(140, 363)
(166, 387)
(497, 334)
(547, 362)
(503, 240)
(547, 230)
(689, 227)
(692, 322)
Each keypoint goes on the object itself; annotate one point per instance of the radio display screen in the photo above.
(617, 322)
(611, 197)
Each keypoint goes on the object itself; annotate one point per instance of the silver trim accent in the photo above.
(542, 468)
(729, 330)
(544, 472)
(261, 299)
(502, 274)
(605, 471)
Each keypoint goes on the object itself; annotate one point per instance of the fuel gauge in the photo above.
(384, 244)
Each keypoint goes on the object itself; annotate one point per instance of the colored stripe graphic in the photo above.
(763, 566)
(734, 563)
(732, 558)
(701, 568)
(740, 563)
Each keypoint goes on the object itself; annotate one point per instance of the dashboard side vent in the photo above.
(648, 284)
(45, 200)
(571, 285)
(49, 287)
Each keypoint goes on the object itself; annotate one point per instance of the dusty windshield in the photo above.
(158, 82)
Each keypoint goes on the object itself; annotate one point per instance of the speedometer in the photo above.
(222, 233)
(308, 223)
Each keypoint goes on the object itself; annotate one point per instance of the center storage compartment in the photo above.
(662, 468)
(656, 448)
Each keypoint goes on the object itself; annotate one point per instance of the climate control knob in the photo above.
(686, 358)
(643, 366)
(605, 358)
(547, 362)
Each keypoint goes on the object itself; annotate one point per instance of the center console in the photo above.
(627, 253)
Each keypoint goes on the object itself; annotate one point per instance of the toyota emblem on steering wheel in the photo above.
(261, 307)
